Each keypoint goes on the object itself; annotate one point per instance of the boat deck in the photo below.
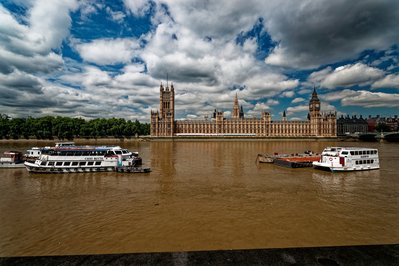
(296, 162)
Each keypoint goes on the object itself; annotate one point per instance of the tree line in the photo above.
(49, 127)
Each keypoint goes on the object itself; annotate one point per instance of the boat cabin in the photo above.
(11, 157)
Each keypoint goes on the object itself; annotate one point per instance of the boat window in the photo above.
(82, 163)
(74, 163)
(90, 163)
(98, 163)
(50, 163)
(118, 152)
(67, 163)
(43, 163)
(371, 161)
(344, 153)
(352, 153)
(58, 163)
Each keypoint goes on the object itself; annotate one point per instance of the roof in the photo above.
(351, 148)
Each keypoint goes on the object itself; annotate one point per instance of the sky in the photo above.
(107, 59)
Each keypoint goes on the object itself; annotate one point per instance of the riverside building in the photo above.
(163, 123)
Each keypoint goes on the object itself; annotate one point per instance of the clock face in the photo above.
(317, 105)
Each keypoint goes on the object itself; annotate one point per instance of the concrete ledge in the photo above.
(347, 255)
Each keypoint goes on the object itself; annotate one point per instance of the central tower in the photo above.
(167, 101)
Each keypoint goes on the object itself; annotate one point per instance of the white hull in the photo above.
(34, 168)
(343, 169)
(12, 165)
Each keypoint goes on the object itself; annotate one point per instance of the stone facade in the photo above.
(163, 123)
(349, 125)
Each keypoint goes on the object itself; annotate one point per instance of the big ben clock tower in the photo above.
(314, 103)
(315, 116)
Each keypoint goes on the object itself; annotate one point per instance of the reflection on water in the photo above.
(199, 196)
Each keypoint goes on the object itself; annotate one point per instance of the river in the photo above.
(200, 195)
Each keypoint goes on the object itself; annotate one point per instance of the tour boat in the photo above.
(348, 159)
(65, 158)
(11, 159)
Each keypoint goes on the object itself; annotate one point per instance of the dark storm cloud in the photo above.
(18, 81)
(185, 73)
(313, 33)
(23, 101)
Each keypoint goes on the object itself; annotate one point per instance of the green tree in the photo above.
(382, 127)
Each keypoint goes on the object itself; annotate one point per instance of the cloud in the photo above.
(313, 33)
(298, 100)
(209, 49)
(339, 95)
(221, 20)
(346, 76)
(296, 109)
(18, 81)
(108, 51)
(389, 81)
(272, 102)
(138, 8)
(209, 67)
(29, 46)
(130, 94)
(369, 99)
(288, 94)
(117, 16)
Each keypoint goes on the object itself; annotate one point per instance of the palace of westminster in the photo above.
(163, 123)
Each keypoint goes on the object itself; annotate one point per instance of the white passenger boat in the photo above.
(70, 158)
(348, 159)
(11, 159)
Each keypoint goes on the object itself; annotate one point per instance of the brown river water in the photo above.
(200, 195)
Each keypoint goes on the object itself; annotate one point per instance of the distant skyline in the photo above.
(108, 58)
